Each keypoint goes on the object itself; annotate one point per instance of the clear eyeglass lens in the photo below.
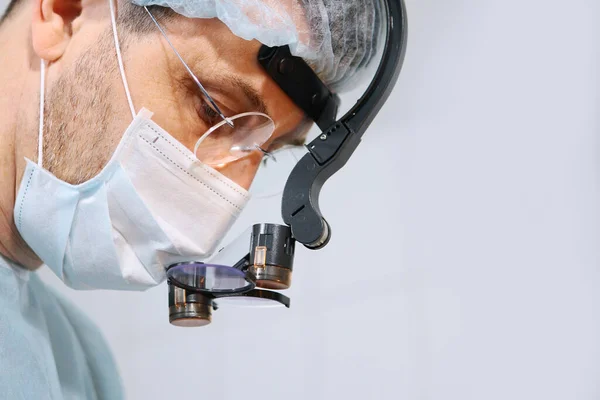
(222, 143)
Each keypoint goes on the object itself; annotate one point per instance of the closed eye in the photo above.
(208, 114)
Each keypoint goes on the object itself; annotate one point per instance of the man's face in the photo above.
(86, 107)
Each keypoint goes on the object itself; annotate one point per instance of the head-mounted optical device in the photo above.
(197, 288)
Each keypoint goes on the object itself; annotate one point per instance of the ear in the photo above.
(51, 26)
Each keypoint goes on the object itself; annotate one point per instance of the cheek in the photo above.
(242, 171)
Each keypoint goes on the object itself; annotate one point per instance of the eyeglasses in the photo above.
(224, 143)
(239, 136)
(234, 137)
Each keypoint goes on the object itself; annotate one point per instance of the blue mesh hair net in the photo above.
(337, 38)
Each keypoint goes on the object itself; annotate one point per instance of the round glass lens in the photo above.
(223, 143)
(211, 278)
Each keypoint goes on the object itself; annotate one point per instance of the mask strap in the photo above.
(119, 58)
(40, 159)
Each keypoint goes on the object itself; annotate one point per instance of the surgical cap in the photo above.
(337, 38)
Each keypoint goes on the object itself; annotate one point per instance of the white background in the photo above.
(464, 262)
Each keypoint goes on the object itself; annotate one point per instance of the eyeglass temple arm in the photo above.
(189, 70)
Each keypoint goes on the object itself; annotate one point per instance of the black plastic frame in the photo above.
(333, 148)
(297, 79)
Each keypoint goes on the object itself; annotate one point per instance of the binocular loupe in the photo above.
(196, 289)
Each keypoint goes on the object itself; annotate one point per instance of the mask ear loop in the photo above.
(119, 57)
(40, 160)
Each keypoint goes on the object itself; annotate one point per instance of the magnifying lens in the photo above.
(189, 309)
(266, 266)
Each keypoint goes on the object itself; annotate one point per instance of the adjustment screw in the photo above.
(286, 66)
(323, 137)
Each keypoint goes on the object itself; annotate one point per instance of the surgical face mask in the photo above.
(153, 204)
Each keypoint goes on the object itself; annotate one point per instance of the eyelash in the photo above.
(211, 117)
(208, 114)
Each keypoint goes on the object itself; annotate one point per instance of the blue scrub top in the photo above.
(48, 348)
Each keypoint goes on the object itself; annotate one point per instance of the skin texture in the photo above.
(86, 109)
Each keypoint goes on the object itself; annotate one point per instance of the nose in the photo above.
(242, 171)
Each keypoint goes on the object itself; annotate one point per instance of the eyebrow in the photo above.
(251, 94)
(295, 137)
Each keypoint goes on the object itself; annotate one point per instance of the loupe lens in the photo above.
(272, 277)
(272, 256)
(188, 309)
(210, 278)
